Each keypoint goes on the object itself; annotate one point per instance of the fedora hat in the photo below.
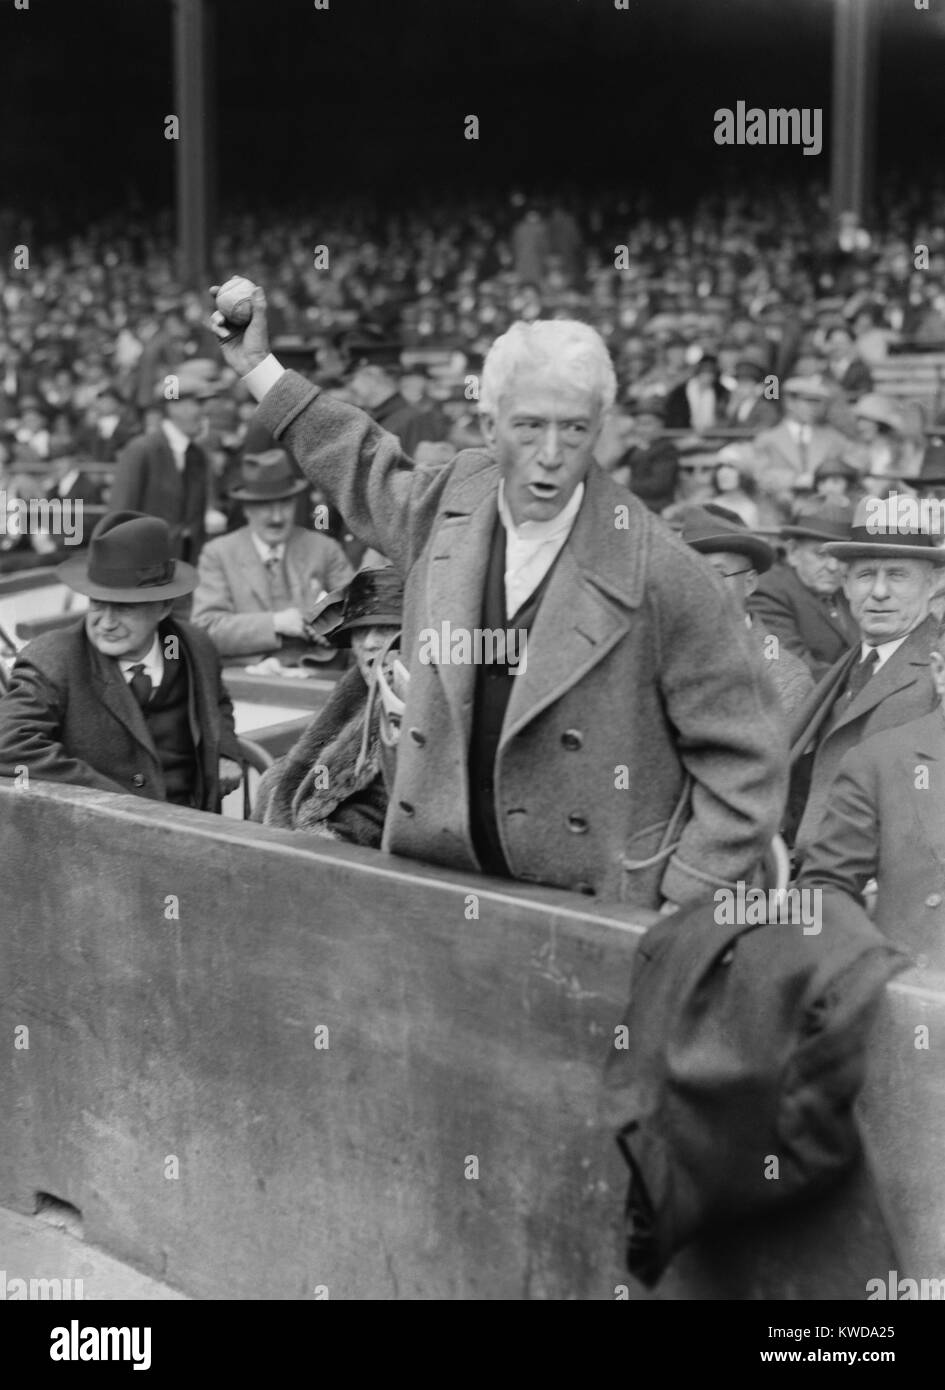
(753, 357)
(129, 560)
(878, 408)
(373, 598)
(821, 519)
(836, 468)
(884, 528)
(197, 379)
(809, 388)
(268, 476)
(712, 528)
(933, 465)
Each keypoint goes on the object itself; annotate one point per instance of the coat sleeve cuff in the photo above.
(263, 377)
(286, 398)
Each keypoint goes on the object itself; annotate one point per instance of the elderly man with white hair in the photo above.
(583, 709)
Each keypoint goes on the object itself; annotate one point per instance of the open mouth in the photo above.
(543, 491)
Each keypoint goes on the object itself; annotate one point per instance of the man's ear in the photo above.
(487, 425)
(937, 663)
(751, 580)
(166, 609)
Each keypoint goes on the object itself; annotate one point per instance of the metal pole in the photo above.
(195, 164)
(854, 107)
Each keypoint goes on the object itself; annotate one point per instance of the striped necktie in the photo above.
(861, 673)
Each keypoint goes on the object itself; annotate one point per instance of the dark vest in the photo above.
(167, 717)
(492, 693)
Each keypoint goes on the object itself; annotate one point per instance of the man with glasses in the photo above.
(801, 601)
(739, 557)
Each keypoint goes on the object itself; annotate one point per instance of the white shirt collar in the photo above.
(153, 663)
(266, 551)
(177, 439)
(532, 548)
(883, 650)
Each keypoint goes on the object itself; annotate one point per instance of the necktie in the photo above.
(861, 673)
(141, 685)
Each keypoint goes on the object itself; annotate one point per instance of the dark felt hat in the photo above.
(836, 468)
(129, 561)
(712, 528)
(887, 528)
(373, 598)
(268, 477)
(933, 465)
(820, 519)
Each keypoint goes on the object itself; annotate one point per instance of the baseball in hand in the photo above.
(235, 301)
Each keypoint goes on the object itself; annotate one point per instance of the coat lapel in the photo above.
(117, 698)
(898, 672)
(928, 807)
(254, 571)
(456, 575)
(578, 622)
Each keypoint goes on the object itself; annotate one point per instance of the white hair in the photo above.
(563, 348)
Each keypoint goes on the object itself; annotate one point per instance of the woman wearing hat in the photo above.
(331, 783)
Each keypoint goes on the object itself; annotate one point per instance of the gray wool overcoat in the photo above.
(637, 674)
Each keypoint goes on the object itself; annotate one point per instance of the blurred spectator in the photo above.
(650, 467)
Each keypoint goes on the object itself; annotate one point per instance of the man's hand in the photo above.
(242, 348)
(289, 622)
(230, 774)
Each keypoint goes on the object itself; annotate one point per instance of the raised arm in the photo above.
(385, 499)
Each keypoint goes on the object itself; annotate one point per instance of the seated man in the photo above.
(257, 584)
(126, 699)
(886, 820)
(892, 576)
(801, 602)
(739, 557)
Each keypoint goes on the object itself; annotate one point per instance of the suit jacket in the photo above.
(650, 473)
(69, 716)
(232, 602)
(780, 461)
(148, 480)
(817, 632)
(678, 410)
(637, 673)
(886, 820)
(900, 690)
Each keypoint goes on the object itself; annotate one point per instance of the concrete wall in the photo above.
(161, 1046)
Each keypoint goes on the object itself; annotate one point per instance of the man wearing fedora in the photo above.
(650, 467)
(800, 600)
(166, 473)
(256, 585)
(127, 699)
(786, 456)
(885, 820)
(748, 407)
(739, 558)
(892, 576)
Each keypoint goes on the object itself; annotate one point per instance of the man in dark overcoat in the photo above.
(127, 699)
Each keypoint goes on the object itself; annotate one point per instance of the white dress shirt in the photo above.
(153, 664)
(531, 549)
(178, 441)
(263, 377)
(883, 651)
(268, 552)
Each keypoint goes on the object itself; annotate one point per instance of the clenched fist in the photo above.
(242, 348)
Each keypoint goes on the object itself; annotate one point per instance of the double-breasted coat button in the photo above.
(138, 779)
(406, 807)
(418, 738)
(934, 900)
(577, 825)
(572, 739)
